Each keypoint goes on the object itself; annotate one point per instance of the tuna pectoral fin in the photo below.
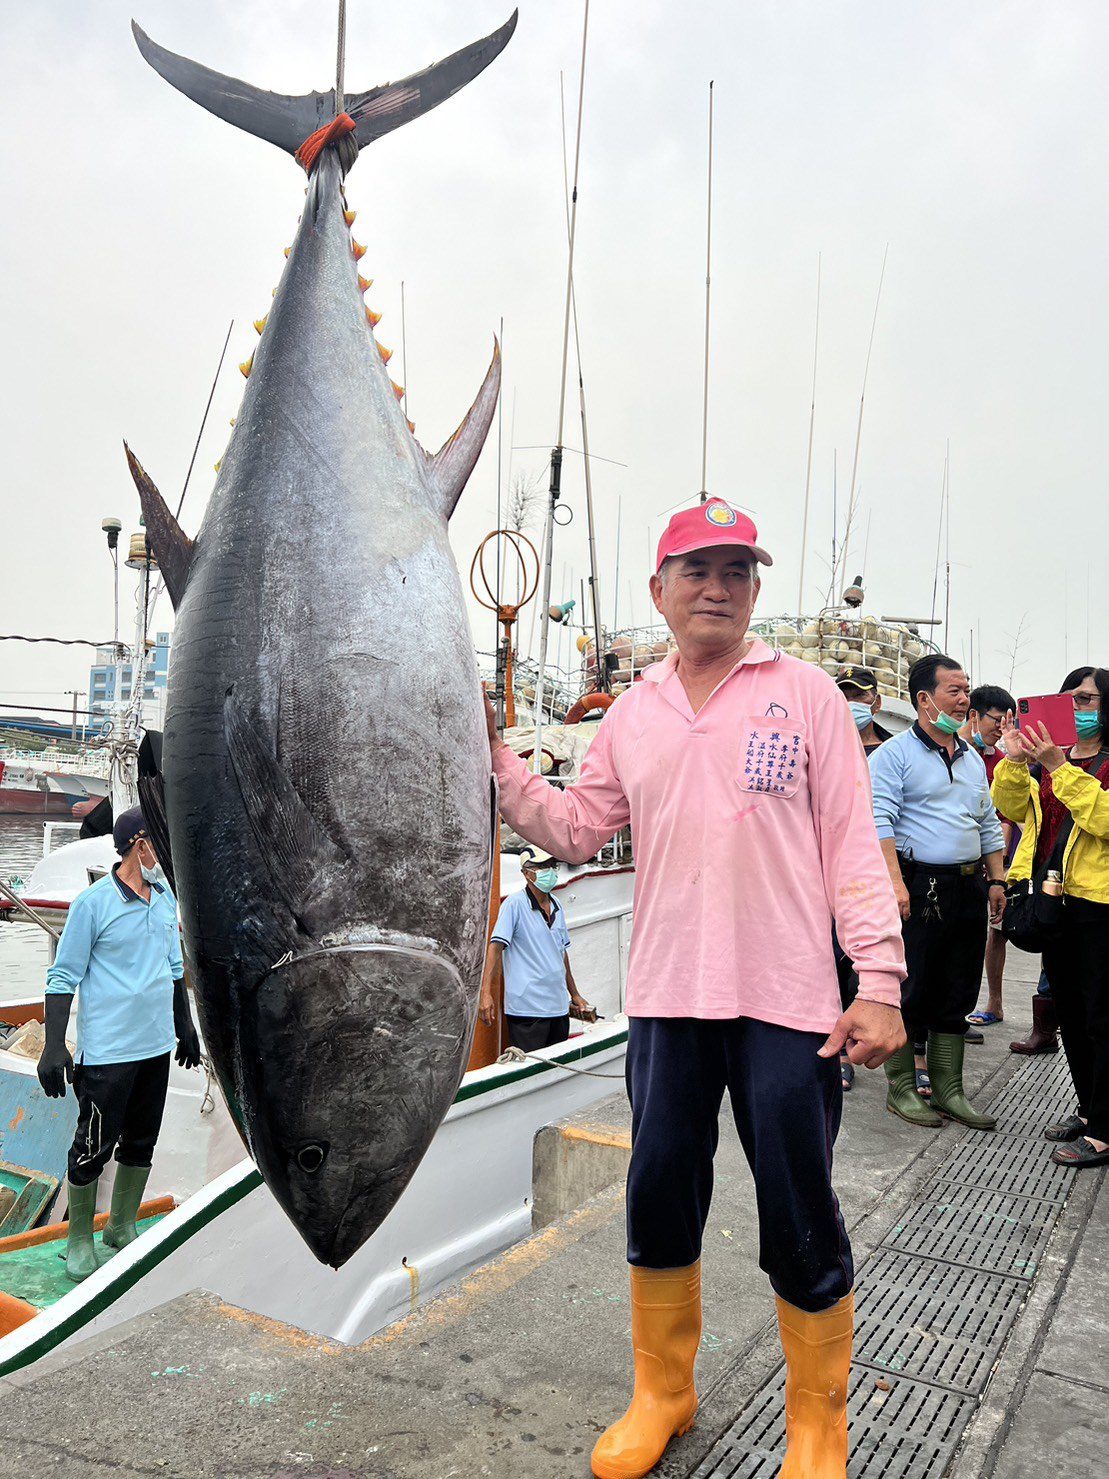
(169, 543)
(452, 465)
(305, 864)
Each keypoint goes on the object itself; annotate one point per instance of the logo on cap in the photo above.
(720, 515)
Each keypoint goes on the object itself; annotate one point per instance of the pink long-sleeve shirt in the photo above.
(753, 830)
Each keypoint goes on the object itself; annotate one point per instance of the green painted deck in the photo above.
(38, 1275)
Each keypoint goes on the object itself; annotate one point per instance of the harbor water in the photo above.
(23, 945)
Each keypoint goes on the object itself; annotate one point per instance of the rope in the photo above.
(341, 57)
(517, 1055)
(315, 144)
(59, 641)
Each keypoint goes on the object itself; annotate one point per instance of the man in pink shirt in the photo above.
(740, 772)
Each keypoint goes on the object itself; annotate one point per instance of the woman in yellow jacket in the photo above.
(1040, 799)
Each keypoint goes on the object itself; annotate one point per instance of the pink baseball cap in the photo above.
(714, 522)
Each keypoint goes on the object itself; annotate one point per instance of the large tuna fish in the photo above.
(325, 764)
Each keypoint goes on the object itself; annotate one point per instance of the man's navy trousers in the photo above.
(786, 1102)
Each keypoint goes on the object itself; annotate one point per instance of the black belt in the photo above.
(964, 870)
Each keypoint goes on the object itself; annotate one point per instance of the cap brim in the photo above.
(850, 683)
(687, 549)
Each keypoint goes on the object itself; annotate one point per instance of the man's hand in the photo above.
(901, 894)
(495, 741)
(869, 1032)
(184, 1029)
(55, 1069)
(486, 1008)
(581, 1009)
(997, 901)
(188, 1048)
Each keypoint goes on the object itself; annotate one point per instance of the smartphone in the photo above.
(1055, 711)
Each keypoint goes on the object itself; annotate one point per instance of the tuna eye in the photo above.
(311, 1157)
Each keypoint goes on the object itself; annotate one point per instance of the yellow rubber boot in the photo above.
(666, 1331)
(818, 1362)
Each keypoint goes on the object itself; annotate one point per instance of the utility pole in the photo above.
(77, 693)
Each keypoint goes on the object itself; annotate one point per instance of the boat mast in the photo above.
(708, 291)
(556, 451)
(808, 464)
(594, 585)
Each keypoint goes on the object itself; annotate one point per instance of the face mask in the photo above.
(978, 740)
(546, 880)
(862, 714)
(1087, 723)
(945, 723)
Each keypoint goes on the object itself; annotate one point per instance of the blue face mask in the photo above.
(862, 714)
(978, 740)
(546, 879)
(1087, 723)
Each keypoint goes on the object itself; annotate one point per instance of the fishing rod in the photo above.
(947, 559)
(808, 464)
(556, 451)
(708, 290)
(939, 542)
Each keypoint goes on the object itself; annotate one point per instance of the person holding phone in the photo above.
(1061, 798)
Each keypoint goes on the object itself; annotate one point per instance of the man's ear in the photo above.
(876, 706)
(656, 593)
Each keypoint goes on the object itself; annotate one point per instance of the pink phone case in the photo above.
(1055, 711)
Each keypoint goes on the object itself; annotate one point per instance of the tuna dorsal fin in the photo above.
(287, 120)
(172, 547)
(452, 465)
(306, 864)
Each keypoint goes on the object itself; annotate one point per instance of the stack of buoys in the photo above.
(833, 642)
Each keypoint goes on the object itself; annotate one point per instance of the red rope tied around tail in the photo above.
(315, 143)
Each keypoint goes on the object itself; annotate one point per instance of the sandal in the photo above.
(923, 1083)
(846, 1073)
(1079, 1154)
(1069, 1129)
(984, 1019)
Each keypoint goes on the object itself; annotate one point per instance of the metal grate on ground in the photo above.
(935, 1303)
(996, 1164)
(933, 1321)
(900, 1430)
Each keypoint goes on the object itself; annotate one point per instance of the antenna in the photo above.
(708, 291)
(851, 504)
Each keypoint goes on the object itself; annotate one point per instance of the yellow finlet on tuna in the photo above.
(358, 249)
(288, 250)
(411, 425)
(246, 366)
(386, 354)
(398, 390)
(348, 217)
(218, 465)
(260, 323)
(372, 318)
(364, 283)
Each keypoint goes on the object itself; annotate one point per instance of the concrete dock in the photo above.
(981, 1352)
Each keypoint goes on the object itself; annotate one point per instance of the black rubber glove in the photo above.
(188, 1043)
(55, 1067)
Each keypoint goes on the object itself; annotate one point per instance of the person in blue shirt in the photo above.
(943, 846)
(531, 943)
(120, 952)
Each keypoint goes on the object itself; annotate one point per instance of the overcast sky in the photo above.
(974, 140)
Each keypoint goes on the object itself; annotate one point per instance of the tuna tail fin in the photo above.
(452, 465)
(173, 549)
(287, 121)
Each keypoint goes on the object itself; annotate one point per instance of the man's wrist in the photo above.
(996, 883)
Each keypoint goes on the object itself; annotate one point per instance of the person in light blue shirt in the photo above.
(531, 943)
(120, 953)
(943, 846)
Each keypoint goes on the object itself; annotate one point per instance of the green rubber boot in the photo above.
(945, 1068)
(130, 1183)
(902, 1098)
(80, 1251)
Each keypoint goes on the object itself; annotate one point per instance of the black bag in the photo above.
(1033, 919)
